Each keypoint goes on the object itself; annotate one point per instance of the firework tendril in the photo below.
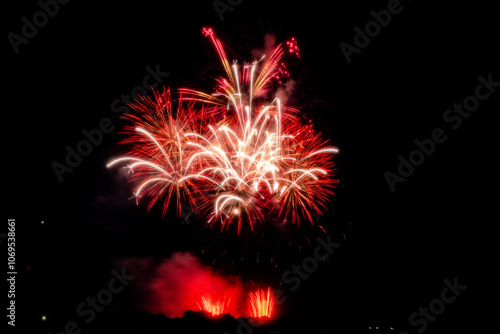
(236, 155)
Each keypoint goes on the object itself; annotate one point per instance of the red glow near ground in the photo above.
(214, 306)
(182, 283)
(261, 304)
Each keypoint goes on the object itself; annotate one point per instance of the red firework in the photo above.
(261, 305)
(214, 306)
(235, 154)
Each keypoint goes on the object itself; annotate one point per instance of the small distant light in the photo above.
(391, 328)
(44, 318)
(376, 327)
(42, 222)
(369, 327)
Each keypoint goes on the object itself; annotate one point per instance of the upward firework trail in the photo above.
(214, 306)
(233, 154)
(261, 304)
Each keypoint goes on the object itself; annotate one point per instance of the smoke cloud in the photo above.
(269, 45)
(283, 93)
(177, 284)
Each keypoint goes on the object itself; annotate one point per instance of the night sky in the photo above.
(398, 246)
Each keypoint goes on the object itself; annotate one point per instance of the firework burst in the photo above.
(236, 154)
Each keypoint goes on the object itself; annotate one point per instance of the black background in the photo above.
(400, 246)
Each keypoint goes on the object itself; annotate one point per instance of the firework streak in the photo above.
(235, 155)
(214, 307)
(261, 304)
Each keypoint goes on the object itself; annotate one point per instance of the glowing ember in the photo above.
(260, 304)
(293, 47)
(214, 307)
(235, 155)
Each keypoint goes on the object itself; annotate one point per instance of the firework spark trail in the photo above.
(214, 306)
(261, 304)
(232, 154)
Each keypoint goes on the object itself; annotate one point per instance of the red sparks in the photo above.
(235, 155)
(207, 32)
(293, 47)
(214, 306)
(261, 304)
